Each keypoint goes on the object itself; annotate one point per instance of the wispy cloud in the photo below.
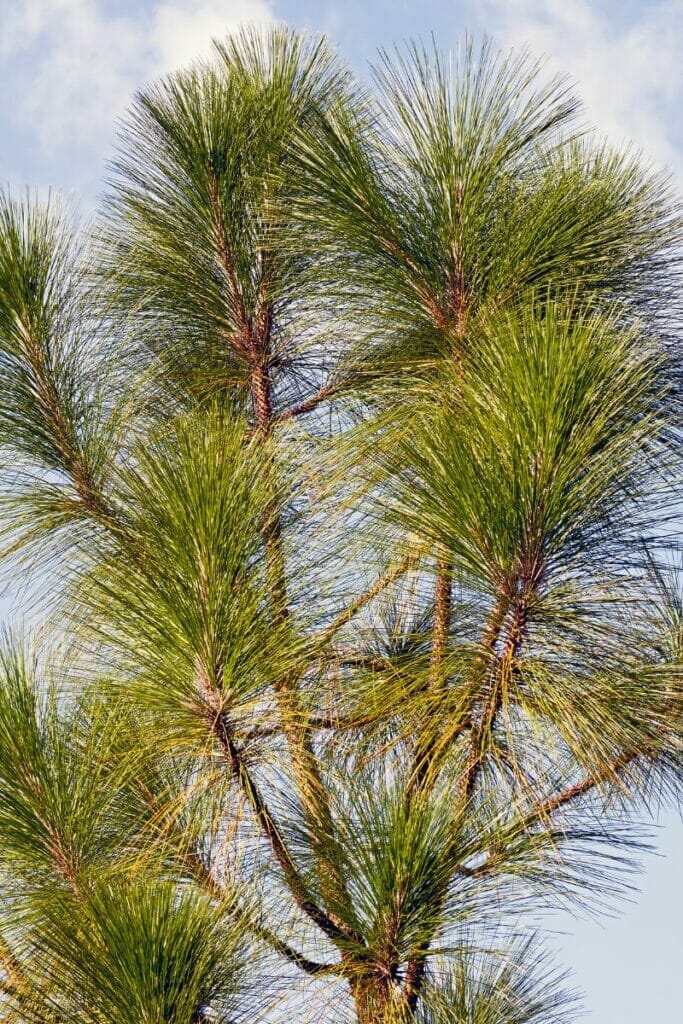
(627, 69)
(71, 65)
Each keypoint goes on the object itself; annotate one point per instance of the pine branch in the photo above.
(207, 880)
(574, 792)
(240, 339)
(436, 750)
(271, 832)
(501, 672)
(254, 341)
(417, 962)
(312, 403)
(378, 587)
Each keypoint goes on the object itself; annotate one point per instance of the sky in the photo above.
(68, 69)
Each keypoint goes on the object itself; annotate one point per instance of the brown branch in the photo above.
(442, 622)
(271, 832)
(436, 751)
(261, 395)
(312, 967)
(311, 403)
(272, 527)
(206, 878)
(240, 340)
(499, 684)
(422, 760)
(254, 342)
(380, 585)
(417, 961)
(416, 282)
(585, 785)
(564, 798)
(307, 775)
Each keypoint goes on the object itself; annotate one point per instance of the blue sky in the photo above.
(67, 69)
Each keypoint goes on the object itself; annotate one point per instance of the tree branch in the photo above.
(205, 877)
(271, 832)
(417, 962)
(311, 403)
(254, 343)
(499, 684)
(436, 751)
(548, 807)
(585, 785)
(381, 584)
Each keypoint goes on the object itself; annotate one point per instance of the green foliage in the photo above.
(58, 784)
(141, 952)
(351, 443)
(515, 987)
(466, 187)
(180, 595)
(194, 236)
(60, 428)
(534, 461)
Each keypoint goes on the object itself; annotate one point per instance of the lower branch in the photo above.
(437, 672)
(499, 685)
(271, 832)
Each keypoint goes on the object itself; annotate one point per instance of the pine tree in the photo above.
(341, 459)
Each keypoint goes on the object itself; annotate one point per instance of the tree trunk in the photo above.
(372, 999)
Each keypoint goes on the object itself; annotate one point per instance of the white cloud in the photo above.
(628, 71)
(182, 29)
(71, 65)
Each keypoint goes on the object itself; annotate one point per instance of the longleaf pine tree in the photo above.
(341, 464)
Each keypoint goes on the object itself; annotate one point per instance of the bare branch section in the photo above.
(206, 879)
(270, 830)
(383, 582)
(311, 403)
